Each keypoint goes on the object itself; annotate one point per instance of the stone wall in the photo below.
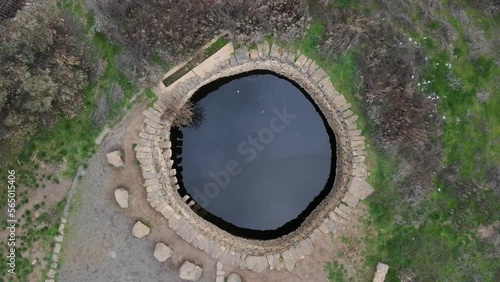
(155, 157)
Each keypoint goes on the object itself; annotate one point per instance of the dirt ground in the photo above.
(99, 245)
(49, 193)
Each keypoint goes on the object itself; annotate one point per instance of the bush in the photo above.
(401, 118)
(188, 114)
(44, 68)
(171, 30)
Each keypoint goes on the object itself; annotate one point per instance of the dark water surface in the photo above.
(262, 158)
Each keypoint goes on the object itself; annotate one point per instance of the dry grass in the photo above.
(184, 114)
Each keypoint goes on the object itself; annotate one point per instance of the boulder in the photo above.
(382, 269)
(140, 229)
(51, 273)
(360, 188)
(121, 197)
(162, 252)
(190, 271)
(114, 159)
(233, 277)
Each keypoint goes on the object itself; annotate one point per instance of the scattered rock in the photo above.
(382, 269)
(162, 252)
(190, 271)
(219, 265)
(57, 248)
(360, 188)
(114, 158)
(51, 273)
(140, 230)
(122, 197)
(233, 277)
(33, 262)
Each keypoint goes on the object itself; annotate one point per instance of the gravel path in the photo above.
(98, 244)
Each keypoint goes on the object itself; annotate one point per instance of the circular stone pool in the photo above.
(262, 158)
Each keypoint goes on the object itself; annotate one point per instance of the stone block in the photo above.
(241, 55)
(350, 199)
(256, 263)
(360, 188)
(288, 260)
(254, 54)
(301, 60)
(151, 116)
(263, 49)
(341, 213)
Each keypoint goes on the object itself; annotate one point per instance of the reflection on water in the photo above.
(261, 156)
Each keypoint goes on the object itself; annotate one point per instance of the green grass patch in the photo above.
(151, 96)
(442, 244)
(308, 45)
(336, 272)
(157, 60)
(216, 46)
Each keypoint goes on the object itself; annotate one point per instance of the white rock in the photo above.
(51, 273)
(381, 272)
(233, 277)
(122, 197)
(114, 159)
(140, 230)
(162, 252)
(190, 271)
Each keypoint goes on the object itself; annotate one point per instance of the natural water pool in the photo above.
(262, 158)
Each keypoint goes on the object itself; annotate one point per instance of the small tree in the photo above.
(43, 68)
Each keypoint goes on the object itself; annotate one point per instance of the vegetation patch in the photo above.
(425, 94)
